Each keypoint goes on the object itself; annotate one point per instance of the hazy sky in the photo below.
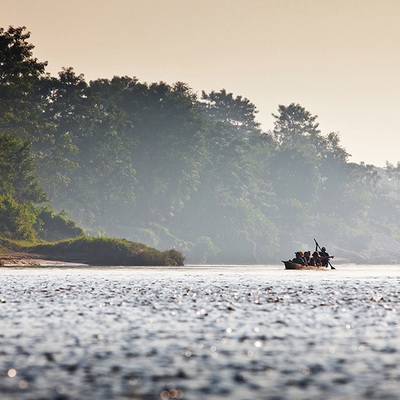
(340, 59)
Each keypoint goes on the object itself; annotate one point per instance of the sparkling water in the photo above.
(200, 332)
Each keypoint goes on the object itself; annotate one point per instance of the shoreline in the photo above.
(21, 259)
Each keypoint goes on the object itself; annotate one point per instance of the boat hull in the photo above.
(293, 265)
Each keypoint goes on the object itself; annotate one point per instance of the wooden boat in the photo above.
(292, 265)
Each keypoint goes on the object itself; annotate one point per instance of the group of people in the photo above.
(318, 258)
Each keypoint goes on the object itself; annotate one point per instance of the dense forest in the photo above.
(160, 164)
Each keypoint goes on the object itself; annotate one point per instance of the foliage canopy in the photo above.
(155, 162)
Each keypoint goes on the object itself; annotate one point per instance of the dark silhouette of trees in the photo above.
(19, 74)
(17, 171)
(153, 162)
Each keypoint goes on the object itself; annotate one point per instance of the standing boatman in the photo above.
(324, 256)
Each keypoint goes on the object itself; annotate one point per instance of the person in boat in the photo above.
(307, 257)
(298, 259)
(324, 256)
(315, 261)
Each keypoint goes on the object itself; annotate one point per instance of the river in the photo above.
(200, 332)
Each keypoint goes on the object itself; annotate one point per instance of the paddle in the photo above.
(318, 246)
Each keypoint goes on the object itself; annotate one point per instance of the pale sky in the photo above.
(340, 59)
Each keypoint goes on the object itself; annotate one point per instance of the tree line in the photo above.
(160, 164)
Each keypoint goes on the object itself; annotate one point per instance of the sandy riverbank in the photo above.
(21, 259)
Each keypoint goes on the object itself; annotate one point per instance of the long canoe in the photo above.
(293, 265)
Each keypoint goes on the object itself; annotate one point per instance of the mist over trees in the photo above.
(163, 165)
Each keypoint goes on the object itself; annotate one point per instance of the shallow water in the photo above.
(256, 332)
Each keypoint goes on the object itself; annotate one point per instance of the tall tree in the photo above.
(394, 173)
(95, 179)
(309, 171)
(166, 129)
(17, 171)
(228, 205)
(20, 72)
(295, 126)
(19, 189)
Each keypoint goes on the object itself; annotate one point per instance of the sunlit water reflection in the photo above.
(256, 332)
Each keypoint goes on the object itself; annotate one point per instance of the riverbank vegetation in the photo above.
(107, 251)
(86, 250)
(162, 165)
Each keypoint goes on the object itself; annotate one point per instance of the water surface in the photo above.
(200, 332)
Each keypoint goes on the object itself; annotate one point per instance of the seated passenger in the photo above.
(307, 257)
(315, 260)
(298, 259)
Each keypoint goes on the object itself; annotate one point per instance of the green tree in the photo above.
(17, 171)
(228, 205)
(19, 189)
(394, 172)
(19, 74)
(295, 126)
(312, 169)
(165, 129)
(64, 108)
(17, 220)
(95, 177)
